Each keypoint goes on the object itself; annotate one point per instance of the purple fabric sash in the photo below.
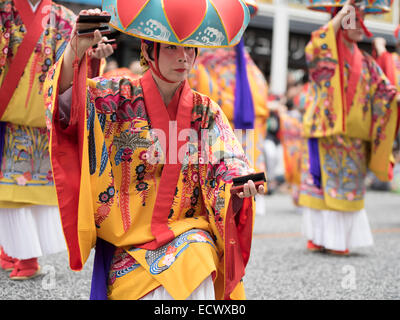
(243, 117)
(315, 168)
(2, 137)
(101, 267)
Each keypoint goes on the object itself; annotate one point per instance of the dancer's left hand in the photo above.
(250, 190)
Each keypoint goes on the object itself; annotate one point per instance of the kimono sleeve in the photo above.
(5, 35)
(385, 61)
(322, 47)
(384, 122)
(65, 22)
(69, 155)
(66, 19)
(231, 218)
(324, 116)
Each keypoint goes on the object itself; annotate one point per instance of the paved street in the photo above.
(280, 267)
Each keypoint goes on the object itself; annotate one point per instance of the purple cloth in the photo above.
(315, 167)
(2, 136)
(101, 267)
(243, 117)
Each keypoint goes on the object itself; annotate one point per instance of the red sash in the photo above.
(34, 25)
(67, 149)
(159, 119)
(355, 60)
(340, 48)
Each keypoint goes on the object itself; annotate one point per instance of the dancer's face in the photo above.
(175, 62)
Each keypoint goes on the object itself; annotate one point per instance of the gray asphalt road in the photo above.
(279, 268)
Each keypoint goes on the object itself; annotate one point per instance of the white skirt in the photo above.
(205, 291)
(261, 208)
(31, 232)
(337, 230)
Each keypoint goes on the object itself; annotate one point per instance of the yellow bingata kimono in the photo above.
(25, 171)
(214, 75)
(350, 138)
(148, 186)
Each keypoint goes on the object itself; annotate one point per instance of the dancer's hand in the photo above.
(347, 8)
(380, 45)
(80, 44)
(250, 190)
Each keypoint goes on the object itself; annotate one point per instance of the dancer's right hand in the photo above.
(379, 44)
(77, 47)
(80, 44)
(343, 13)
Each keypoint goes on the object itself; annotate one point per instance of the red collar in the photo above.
(173, 147)
(157, 111)
(355, 60)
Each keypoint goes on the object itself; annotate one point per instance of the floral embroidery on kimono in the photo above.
(123, 177)
(350, 139)
(25, 172)
(214, 75)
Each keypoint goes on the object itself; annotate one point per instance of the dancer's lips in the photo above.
(180, 70)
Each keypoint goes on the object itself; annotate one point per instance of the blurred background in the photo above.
(275, 39)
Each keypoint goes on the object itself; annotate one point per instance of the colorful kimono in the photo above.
(214, 75)
(348, 131)
(127, 174)
(25, 170)
(291, 139)
(390, 64)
